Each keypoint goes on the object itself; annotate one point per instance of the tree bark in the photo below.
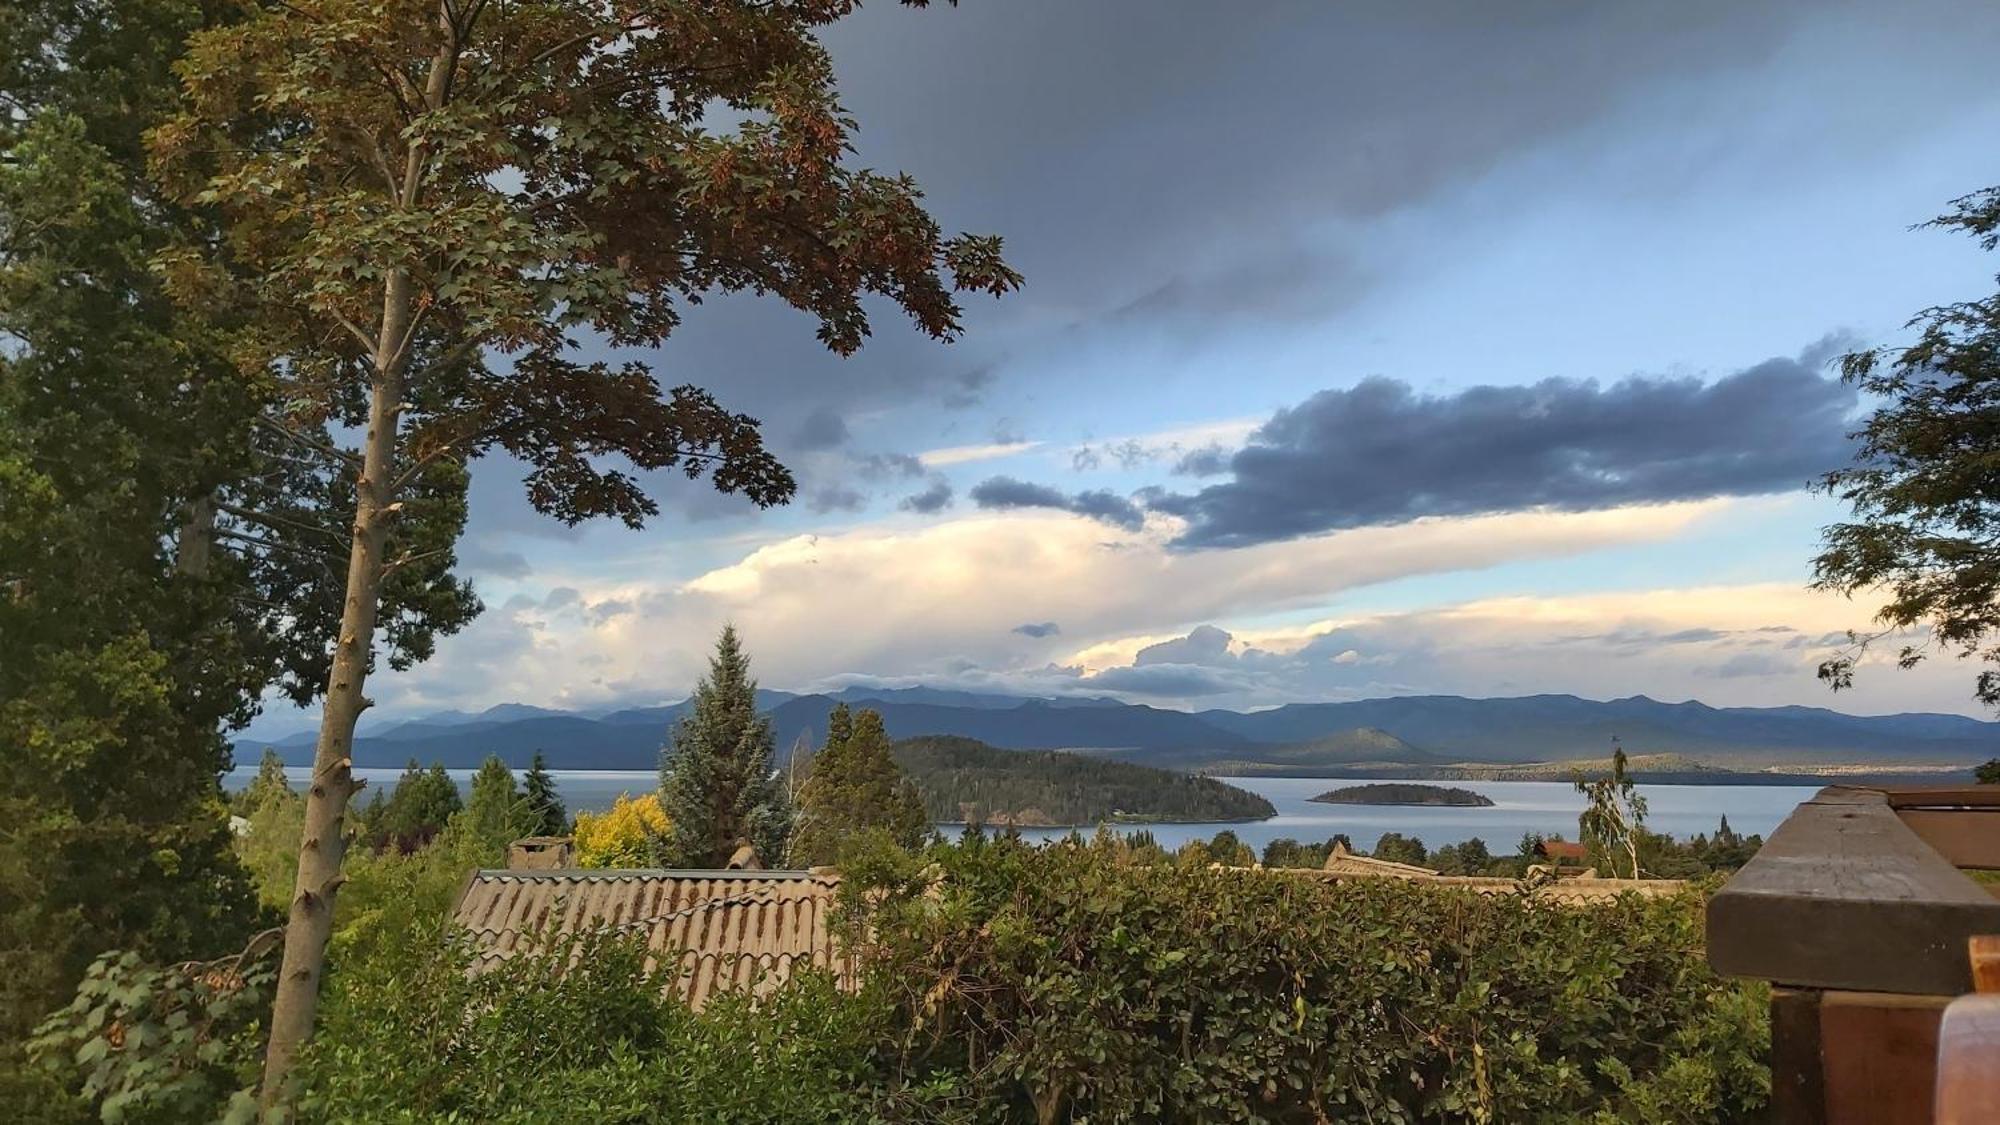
(322, 843)
(196, 541)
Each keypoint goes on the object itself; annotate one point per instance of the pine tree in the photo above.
(423, 803)
(497, 815)
(717, 786)
(855, 786)
(546, 814)
(270, 781)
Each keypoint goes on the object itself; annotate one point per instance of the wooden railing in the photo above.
(1858, 913)
(1968, 1075)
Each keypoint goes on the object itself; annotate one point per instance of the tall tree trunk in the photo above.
(322, 844)
(196, 542)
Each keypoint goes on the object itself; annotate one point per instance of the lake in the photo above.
(1518, 807)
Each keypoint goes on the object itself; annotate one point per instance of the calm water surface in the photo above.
(1518, 807)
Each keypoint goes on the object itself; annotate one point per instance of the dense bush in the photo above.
(1059, 983)
(622, 835)
(582, 1032)
(1003, 983)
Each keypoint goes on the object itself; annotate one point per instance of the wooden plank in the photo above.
(1798, 1090)
(1880, 1057)
(1964, 837)
(1984, 953)
(1943, 796)
(1845, 896)
(1968, 1071)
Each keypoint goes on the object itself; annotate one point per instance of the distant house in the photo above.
(719, 930)
(1340, 861)
(1561, 852)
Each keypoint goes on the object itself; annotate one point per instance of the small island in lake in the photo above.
(1405, 795)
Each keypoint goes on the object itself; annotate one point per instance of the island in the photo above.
(964, 780)
(1392, 794)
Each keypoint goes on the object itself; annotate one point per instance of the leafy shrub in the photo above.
(581, 1032)
(1061, 982)
(152, 1044)
(622, 835)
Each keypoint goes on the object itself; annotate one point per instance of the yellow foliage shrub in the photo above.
(618, 837)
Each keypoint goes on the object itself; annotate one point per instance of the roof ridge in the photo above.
(600, 874)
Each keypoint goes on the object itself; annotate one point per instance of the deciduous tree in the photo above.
(1612, 821)
(432, 199)
(1925, 484)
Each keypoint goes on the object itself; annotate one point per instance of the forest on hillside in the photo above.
(963, 779)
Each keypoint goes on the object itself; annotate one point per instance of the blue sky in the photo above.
(1228, 214)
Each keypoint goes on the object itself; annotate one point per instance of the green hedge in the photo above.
(1063, 983)
(1007, 983)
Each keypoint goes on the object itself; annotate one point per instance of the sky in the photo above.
(1364, 349)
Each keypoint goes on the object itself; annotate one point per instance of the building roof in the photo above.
(1343, 862)
(724, 930)
(1563, 849)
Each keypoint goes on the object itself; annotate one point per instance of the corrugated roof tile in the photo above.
(712, 930)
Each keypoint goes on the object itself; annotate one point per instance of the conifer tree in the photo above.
(270, 781)
(497, 814)
(546, 814)
(855, 786)
(424, 802)
(717, 785)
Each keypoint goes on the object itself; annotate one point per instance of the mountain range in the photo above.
(1430, 730)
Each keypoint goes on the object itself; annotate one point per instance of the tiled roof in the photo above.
(1343, 862)
(723, 929)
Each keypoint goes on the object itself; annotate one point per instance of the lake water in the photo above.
(1518, 807)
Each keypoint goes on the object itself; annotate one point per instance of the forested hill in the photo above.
(964, 779)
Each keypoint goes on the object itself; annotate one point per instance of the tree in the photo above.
(424, 802)
(855, 786)
(1398, 848)
(1988, 772)
(121, 665)
(1615, 815)
(430, 214)
(270, 780)
(163, 560)
(1469, 858)
(497, 814)
(622, 836)
(547, 817)
(717, 785)
(1924, 486)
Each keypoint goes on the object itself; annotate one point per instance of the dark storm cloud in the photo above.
(477, 558)
(931, 500)
(1172, 680)
(1038, 629)
(1218, 162)
(1002, 493)
(822, 429)
(969, 388)
(880, 466)
(835, 498)
(1379, 453)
